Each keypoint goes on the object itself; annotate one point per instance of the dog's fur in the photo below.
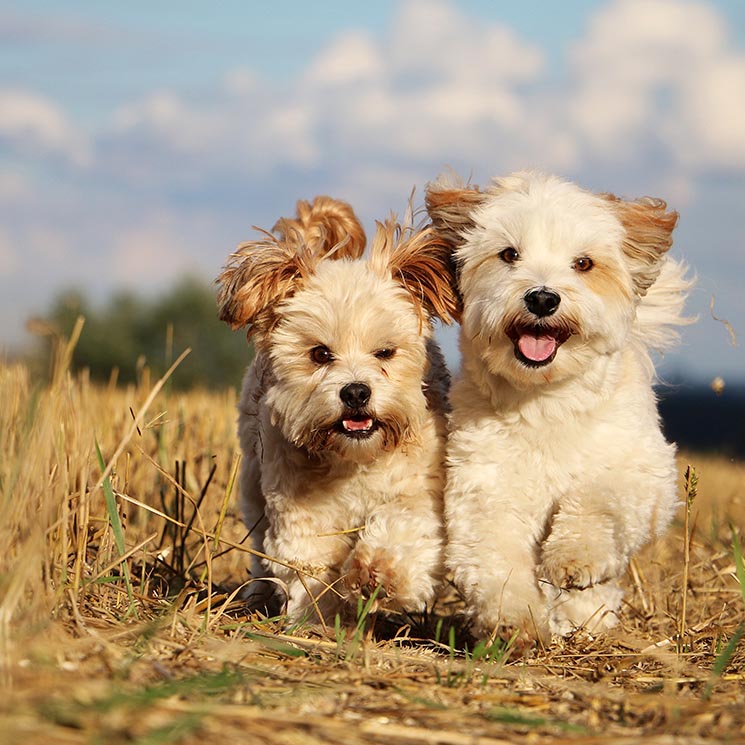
(557, 469)
(342, 487)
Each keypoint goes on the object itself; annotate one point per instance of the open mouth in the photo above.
(536, 346)
(357, 426)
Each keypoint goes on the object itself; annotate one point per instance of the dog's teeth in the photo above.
(357, 425)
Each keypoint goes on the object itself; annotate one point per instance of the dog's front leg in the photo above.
(399, 554)
(308, 559)
(584, 556)
(584, 548)
(583, 559)
(600, 524)
(492, 546)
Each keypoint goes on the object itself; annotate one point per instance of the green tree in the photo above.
(130, 332)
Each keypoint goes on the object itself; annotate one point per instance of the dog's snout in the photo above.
(542, 302)
(355, 395)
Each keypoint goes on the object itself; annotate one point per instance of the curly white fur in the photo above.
(557, 468)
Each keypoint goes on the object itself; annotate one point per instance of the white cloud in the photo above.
(440, 85)
(435, 87)
(161, 247)
(645, 31)
(352, 59)
(146, 255)
(241, 125)
(435, 39)
(166, 117)
(712, 131)
(14, 187)
(661, 73)
(650, 79)
(30, 122)
(649, 99)
(240, 82)
(655, 79)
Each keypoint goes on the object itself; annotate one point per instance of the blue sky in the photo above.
(141, 141)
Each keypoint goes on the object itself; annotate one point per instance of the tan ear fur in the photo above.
(326, 226)
(258, 276)
(262, 273)
(451, 210)
(421, 261)
(649, 236)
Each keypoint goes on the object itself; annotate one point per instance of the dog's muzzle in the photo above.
(355, 395)
(542, 301)
(536, 343)
(356, 422)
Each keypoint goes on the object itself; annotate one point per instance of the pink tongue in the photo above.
(354, 425)
(536, 348)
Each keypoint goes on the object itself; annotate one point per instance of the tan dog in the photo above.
(557, 469)
(341, 419)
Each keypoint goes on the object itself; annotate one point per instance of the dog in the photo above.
(342, 412)
(557, 469)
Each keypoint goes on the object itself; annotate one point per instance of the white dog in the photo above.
(342, 415)
(557, 469)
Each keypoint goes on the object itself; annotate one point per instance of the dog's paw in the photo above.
(521, 639)
(373, 573)
(518, 636)
(570, 565)
(569, 574)
(591, 610)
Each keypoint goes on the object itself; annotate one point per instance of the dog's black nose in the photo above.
(355, 395)
(542, 302)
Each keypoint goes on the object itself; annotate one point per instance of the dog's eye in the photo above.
(509, 255)
(583, 264)
(385, 353)
(321, 355)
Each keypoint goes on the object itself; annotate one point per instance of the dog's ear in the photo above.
(649, 236)
(451, 209)
(258, 276)
(327, 227)
(262, 273)
(420, 260)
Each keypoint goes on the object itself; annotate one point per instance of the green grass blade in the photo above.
(365, 612)
(725, 655)
(116, 525)
(723, 659)
(111, 506)
(505, 715)
(276, 645)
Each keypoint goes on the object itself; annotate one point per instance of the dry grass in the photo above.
(155, 648)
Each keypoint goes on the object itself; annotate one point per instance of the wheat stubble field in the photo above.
(121, 559)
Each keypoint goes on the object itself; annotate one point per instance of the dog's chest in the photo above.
(528, 455)
(342, 498)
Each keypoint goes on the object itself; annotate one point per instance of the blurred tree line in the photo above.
(130, 332)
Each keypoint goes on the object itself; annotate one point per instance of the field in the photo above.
(121, 559)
